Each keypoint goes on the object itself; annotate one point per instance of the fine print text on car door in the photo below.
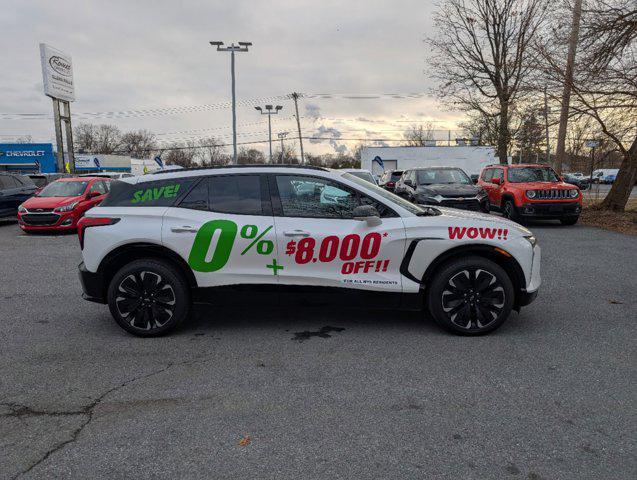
(320, 242)
(223, 231)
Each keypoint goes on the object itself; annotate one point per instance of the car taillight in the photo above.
(391, 184)
(86, 222)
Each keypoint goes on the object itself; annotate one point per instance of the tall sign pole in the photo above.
(239, 47)
(296, 96)
(57, 76)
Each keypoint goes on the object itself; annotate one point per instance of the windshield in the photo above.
(395, 199)
(532, 174)
(63, 189)
(442, 176)
(365, 176)
(395, 176)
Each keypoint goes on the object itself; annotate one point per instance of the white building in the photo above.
(470, 159)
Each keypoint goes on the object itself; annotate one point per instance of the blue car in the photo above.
(609, 178)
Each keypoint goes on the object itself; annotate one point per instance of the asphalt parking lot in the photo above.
(249, 393)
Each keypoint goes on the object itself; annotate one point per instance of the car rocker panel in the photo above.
(262, 232)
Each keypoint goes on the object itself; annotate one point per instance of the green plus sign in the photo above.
(275, 268)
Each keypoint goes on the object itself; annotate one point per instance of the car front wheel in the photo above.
(148, 298)
(470, 296)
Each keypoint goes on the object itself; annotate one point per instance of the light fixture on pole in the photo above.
(282, 136)
(239, 47)
(269, 111)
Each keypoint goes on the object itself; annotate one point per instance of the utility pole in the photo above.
(240, 47)
(281, 136)
(296, 96)
(568, 81)
(269, 112)
(546, 128)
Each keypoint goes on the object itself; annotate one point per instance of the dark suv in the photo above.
(443, 187)
(14, 189)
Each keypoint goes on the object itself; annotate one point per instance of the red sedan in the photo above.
(62, 203)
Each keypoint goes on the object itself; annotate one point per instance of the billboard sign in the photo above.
(32, 157)
(57, 73)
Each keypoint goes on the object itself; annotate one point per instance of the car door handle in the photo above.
(184, 229)
(296, 233)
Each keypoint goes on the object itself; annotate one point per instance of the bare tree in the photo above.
(419, 135)
(484, 128)
(250, 156)
(288, 156)
(482, 56)
(604, 85)
(138, 143)
(97, 138)
(182, 154)
(210, 152)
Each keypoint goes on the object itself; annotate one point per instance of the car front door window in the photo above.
(313, 197)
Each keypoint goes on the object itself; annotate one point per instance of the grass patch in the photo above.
(622, 222)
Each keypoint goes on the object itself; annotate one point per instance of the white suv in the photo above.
(237, 235)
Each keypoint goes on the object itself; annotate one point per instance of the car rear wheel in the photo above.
(569, 220)
(148, 298)
(470, 296)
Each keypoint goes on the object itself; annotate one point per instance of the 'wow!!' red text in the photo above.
(475, 232)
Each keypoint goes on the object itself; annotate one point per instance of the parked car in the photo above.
(580, 182)
(364, 174)
(62, 203)
(147, 254)
(608, 179)
(389, 178)
(600, 174)
(113, 175)
(14, 189)
(531, 191)
(442, 186)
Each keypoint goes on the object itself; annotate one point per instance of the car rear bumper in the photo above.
(92, 285)
(550, 209)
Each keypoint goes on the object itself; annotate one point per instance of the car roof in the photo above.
(78, 179)
(436, 168)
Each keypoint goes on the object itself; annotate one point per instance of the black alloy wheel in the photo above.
(145, 300)
(473, 299)
(470, 296)
(148, 297)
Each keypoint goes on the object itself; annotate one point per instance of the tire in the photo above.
(148, 298)
(569, 220)
(509, 211)
(470, 296)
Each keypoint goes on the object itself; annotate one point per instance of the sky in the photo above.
(153, 54)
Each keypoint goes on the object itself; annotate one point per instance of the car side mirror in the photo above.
(474, 179)
(367, 213)
(93, 194)
(496, 180)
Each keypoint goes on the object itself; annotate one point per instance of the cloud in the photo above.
(312, 111)
(330, 134)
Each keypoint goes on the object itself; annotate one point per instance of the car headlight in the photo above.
(21, 209)
(66, 208)
(574, 193)
(531, 194)
(532, 239)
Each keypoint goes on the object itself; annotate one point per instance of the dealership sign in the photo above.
(87, 162)
(57, 73)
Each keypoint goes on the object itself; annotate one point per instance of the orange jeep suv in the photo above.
(528, 191)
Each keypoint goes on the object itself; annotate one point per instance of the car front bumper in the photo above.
(550, 209)
(33, 222)
(93, 287)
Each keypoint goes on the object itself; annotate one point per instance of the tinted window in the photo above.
(197, 199)
(313, 197)
(64, 189)
(532, 174)
(26, 181)
(3, 182)
(442, 176)
(39, 181)
(239, 194)
(99, 187)
(162, 193)
(395, 175)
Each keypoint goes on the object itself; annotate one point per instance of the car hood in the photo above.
(48, 202)
(447, 190)
(456, 214)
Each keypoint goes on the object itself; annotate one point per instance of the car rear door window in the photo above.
(314, 197)
(236, 194)
(197, 198)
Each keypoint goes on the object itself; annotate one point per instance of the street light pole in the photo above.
(281, 136)
(239, 47)
(269, 112)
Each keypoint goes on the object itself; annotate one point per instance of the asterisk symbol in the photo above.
(385, 234)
